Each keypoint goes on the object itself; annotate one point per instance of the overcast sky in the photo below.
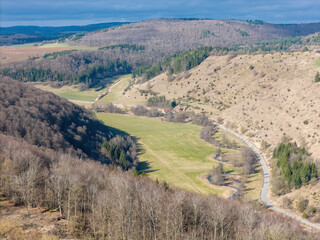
(80, 12)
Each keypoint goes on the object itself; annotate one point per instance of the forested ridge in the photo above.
(103, 204)
(177, 35)
(44, 119)
(146, 54)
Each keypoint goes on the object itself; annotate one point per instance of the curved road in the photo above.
(266, 180)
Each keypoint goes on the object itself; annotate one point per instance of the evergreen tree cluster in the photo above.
(34, 74)
(174, 64)
(88, 77)
(133, 47)
(54, 55)
(102, 71)
(295, 169)
(116, 154)
(317, 77)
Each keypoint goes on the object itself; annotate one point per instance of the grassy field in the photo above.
(74, 94)
(116, 95)
(318, 62)
(170, 152)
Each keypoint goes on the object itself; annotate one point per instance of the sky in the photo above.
(81, 12)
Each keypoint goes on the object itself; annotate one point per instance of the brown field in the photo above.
(14, 54)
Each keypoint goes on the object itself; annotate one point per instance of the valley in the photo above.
(171, 117)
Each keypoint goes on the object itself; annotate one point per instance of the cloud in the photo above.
(44, 11)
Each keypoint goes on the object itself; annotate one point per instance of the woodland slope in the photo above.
(44, 119)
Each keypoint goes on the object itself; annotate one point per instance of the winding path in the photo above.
(266, 178)
(266, 181)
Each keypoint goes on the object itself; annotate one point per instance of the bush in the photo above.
(302, 204)
(286, 202)
(317, 77)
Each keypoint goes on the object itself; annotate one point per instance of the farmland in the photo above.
(171, 152)
(27, 51)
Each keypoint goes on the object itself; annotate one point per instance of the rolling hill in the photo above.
(175, 35)
(29, 34)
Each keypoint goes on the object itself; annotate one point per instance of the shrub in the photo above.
(302, 204)
(317, 77)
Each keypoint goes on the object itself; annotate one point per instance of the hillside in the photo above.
(265, 95)
(29, 34)
(269, 98)
(173, 35)
(66, 197)
(44, 119)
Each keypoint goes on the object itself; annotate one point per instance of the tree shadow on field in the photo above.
(143, 166)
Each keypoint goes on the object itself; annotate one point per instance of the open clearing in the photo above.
(75, 94)
(19, 53)
(65, 45)
(72, 93)
(25, 51)
(116, 95)
(170, 152)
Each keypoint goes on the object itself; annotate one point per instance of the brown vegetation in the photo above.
(174, 35)
(44, 119)
(104, 204)
(14, 54)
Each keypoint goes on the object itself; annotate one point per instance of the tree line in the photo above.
(89, 77)
(133, 47)
(173, 64)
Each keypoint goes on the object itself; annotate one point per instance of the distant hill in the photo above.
(175, 35)
(28, 34)
(46, 120)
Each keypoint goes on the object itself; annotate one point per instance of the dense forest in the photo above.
(44, 119)
(102, 204)
(293, 167)
(174, 64)
(90, 76)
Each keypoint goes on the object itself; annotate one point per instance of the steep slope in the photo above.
(66, 197)
(44, 119)
(265, 95)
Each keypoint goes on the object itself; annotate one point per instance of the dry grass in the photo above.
(267, 107)
(14, 54)
(273, 99)
(16, 224)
